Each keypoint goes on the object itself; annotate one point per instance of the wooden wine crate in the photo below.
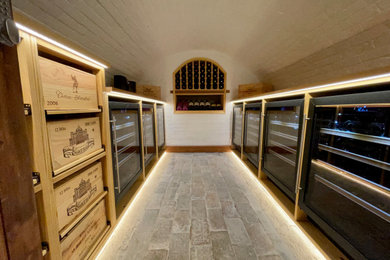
(250, 90)
(84, 235)
(72, 139)
(75, 195)
(65, 87)
(149, 91)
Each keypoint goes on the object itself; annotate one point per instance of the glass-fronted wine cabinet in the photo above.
(252, 132)
(160, 127)
(148, 133)
(282, 130)
(346, 171)
(237, 126)
(126, 155)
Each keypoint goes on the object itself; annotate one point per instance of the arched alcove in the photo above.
(199, 86)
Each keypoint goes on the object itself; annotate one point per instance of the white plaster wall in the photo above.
(199, 129)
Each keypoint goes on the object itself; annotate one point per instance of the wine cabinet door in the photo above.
(148, 129)
(125, 145)
(347, 172)
(283, 121)
(160, 127)
(252, 132)
(237, 126)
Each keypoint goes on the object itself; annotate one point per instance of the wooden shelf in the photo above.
(200, 91)
(200, 112)
(72, 111)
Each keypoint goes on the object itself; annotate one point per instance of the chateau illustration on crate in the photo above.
(74, 195)
(79, 143)
(82, 195)
(71, 140)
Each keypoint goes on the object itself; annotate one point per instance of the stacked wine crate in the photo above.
(74, 194)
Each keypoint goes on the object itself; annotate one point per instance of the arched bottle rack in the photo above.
(199, 86)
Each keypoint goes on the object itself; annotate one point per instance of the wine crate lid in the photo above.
(65, 87)
(249, 90)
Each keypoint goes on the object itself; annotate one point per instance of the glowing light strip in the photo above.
(118, 225)
(129, 96)
(289, 221)
(43, 37)
(297, 91)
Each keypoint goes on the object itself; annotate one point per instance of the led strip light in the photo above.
(129, 96)
(301, 91)
(45, 38)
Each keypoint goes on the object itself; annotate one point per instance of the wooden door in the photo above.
(19, 230)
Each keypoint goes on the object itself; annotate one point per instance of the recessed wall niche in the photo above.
(199, 86)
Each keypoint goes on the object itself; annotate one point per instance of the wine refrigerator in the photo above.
(148, 132)
(346, 171)
(237, 126)
(282, 132)
(126, 152)
(160, 127)
(252, 132)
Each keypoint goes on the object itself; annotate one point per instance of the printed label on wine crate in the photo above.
(80, 240)
(73, 196)
(65, 87)
(149, 91)
(73, 139)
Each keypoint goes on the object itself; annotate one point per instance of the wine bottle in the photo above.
(207, 104)
(201, 105)
(191, 105)
(196, 105)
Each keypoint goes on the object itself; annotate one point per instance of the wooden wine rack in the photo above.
(68, 74)
(200, 78)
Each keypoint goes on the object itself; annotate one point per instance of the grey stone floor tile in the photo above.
(244, 252)
(229, 209)
(138, 244)
(199, 232)
(237, 232)
(238, 196)
(183, 201)
(168, 209)
(202, 252)
(181, 222)
(160, 254)
(259, 238)
(221, 246)
(161, 234)
(198, 209)
(179, 246)
(216, 220)
(247, 213)
(212, 200)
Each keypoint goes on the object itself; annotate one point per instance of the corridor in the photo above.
(205, 206)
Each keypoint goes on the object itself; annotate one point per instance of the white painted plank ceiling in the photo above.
(264, 35)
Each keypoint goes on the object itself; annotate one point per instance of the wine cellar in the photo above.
(242, 130)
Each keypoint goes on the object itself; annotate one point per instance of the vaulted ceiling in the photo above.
(264, 35)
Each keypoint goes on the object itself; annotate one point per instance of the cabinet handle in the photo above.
(118, 181)
(368, 206)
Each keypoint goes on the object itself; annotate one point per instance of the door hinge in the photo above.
(45, 248)
(36, 178)
(27, 109)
